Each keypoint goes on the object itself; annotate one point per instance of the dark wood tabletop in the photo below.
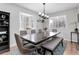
(37, 38)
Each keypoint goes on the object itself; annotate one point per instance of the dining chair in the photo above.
(22, 33)
(24, 49)
(40, 30)
(33, 31)
(54, 30)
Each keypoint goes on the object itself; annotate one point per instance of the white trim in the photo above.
(12, 45)
(25, 14)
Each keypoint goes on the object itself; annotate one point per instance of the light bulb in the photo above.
(47, 16)
(42, 14)
(39, 13)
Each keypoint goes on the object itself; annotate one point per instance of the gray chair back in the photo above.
(20, 44)
(33, 31)
(54, 30)
(23, 32)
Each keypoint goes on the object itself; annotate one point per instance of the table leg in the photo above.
(52, 53)
(78, 39)
(62, 42)
(71, 37)
(44, 51)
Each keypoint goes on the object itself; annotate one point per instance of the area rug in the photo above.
(58, 51)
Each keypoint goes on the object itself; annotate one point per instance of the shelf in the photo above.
(4, 34)
(3, 47)
(4, 42)
(4, 31)
(2, 20)
(3, 25)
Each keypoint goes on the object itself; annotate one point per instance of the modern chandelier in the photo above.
(43, 14)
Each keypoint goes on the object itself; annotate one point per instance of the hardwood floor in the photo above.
(71, 49)
(11, 49)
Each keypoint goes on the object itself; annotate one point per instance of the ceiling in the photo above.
(50, 7)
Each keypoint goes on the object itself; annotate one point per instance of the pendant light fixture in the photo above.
(43, 14)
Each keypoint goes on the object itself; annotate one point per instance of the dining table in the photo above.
(37, 38)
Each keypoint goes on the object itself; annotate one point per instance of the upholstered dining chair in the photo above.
(33, 31)
(22, 33)
(28, 48)
(54, 30)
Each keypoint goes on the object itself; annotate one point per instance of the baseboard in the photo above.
(69, 40)
(12, 45)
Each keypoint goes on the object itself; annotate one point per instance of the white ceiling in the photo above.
(50, 7)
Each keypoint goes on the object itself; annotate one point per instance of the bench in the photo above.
(52, 45)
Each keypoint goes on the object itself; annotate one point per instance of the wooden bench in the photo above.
(52, 45)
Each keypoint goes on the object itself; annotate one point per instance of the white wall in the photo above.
(14, 18)
(71, 17)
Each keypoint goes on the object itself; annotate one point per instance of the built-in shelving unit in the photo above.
(4, 31)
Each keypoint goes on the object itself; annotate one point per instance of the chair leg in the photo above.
(62, 42)
(52, 53)
(39, 50)
(44, 51)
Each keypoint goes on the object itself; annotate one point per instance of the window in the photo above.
(26, 21)
(57, 22)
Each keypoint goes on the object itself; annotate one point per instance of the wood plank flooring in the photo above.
(71, 49)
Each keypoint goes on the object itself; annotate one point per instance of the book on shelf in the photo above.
(3, 32)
